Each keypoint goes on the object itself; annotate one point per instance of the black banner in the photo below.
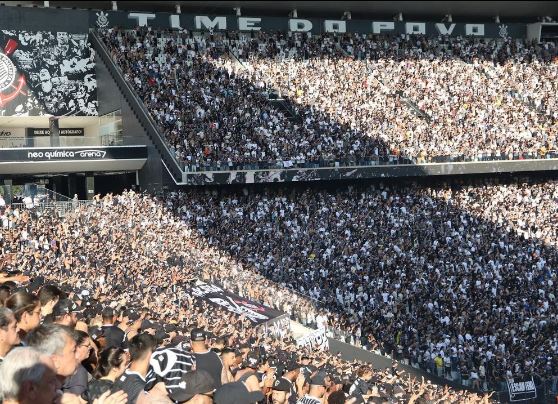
(123, 19)
(17, 18)
(73, 153)
(33, 132)
(255, 312)
(522, 390)
(360, 172)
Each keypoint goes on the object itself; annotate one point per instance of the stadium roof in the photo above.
(460, 10)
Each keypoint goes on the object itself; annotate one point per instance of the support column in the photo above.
(8, 192)
(54, 131)
(90, 187)
(72, 187)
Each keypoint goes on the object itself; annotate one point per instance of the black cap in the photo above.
(318, 379)
(252, 361)
(281, 384)
(145, 324)
(63, 307)
(197, 334)
(36, 284)
(132, 314)
(192, 383)
(236, 393)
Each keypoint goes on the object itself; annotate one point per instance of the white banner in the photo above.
(314, 340)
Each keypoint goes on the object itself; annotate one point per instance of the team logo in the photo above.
(7, 72)
(102, 19)
(503, 31)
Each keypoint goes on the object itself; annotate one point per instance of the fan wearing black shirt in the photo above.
(114, 335)
(133, 381)
(205, 358)
(360, 387)
(169, 365)
(112, 364)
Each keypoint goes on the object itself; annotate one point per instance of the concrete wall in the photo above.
(111, 99)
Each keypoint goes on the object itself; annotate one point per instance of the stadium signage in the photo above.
(313, 25)
(522, 390)
(65, 154)
(38, 154)
(255, 312)
(32, 132)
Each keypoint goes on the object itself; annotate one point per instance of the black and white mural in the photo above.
(361, 172)
(47, 73)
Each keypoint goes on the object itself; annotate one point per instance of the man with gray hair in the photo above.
(57, 342)
(27, 377)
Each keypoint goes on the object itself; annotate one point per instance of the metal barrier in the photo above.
(60, 208)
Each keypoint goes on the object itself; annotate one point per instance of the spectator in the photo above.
(27, 311)
(360, 387)
(205, 358)
(113, 362)
(48, 297)
(27, 377)
(65, 312)
(57, 342)
(9, 337)
(281, 391)
(113, 334)
(317, 390)
(133, 381)
(77, 383)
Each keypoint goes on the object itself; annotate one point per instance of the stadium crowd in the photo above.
(358, 97)
(373, 256)
(94, 307)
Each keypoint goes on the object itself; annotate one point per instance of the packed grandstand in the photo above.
(350, 93)
(189, 295)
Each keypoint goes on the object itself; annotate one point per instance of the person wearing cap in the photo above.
(250, 364)
(196, 386)
(65, 312)
(281, 391)
(291, 374)
(318, 385)
(206, 359)
(244, 391)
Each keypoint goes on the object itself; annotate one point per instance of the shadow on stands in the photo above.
(255, 236)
